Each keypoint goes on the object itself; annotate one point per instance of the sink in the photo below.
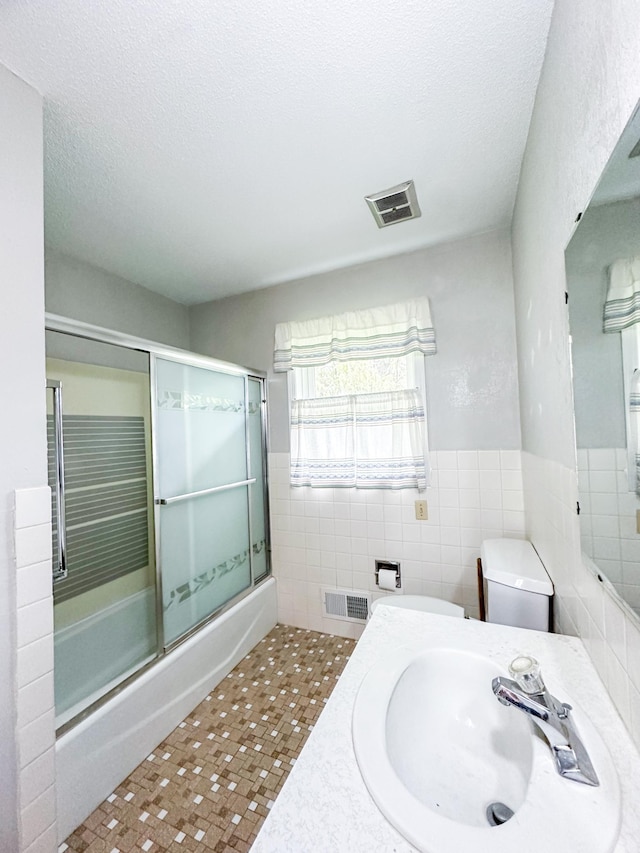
(442, 758)
(467, 728)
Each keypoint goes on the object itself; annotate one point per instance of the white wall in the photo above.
(331, 537)
(84, 292)
(589, 86)
(26, 718)
(472, 382)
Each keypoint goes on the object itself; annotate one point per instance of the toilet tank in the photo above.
(517, 588)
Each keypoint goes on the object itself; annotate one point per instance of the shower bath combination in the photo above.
(157, 466)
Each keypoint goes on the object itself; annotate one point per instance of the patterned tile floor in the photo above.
(211, 783)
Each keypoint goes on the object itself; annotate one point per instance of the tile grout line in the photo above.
(211, 783)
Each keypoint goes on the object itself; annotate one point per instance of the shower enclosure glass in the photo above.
(203, 492)
(158, 476)
(99, 419)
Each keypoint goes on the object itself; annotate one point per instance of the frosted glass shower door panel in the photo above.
(257, 489)
(105, 608)
(203, 494)
(204, 554)
(200, 435)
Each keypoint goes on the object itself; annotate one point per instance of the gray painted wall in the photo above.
(605, 234)
(81, 291)
(588, 89)
(23, 462)
(472, 381)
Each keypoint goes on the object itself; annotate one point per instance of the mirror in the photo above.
(605, 351)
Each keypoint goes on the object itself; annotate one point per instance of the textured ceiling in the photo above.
(203, 149)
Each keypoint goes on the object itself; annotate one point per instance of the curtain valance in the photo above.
(622, 305)
(393, 330)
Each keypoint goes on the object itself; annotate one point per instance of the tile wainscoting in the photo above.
(608, 521)
(331, 537)
(582, 605)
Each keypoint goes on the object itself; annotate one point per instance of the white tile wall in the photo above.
(583, 606)
(608, 518)
(36, 714)
(331, 537)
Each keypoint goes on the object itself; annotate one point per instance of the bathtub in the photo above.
(97, 754)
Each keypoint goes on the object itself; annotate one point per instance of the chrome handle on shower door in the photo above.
(59, 563)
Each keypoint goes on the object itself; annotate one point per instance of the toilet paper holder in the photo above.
(392, 566)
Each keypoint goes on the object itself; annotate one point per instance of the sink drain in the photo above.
(498, 813)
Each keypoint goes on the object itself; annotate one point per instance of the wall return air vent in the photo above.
(348, 605)
(394, 205)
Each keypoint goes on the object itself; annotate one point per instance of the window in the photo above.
(357, 397)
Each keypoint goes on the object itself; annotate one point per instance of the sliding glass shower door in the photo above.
(158, 477)
(100, 472)
(207, 456)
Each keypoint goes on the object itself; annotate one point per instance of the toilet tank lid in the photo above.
(515, 563)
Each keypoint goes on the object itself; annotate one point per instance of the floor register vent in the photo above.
(349, 605)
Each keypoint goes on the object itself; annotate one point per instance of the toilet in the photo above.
(516, 589)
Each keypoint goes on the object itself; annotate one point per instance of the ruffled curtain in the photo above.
(366, 441)
(393, 330)
(622, 305)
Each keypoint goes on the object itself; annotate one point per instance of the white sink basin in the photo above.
(436, 749)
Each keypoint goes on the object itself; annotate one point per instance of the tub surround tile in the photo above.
(34, 675)
(35, 699)
(36, 738)
(33, 545)
(33, 583)
(38, 816)
(35, 622)
(32, 507)
(34, 661)
(212, 782)
(34, 778)
(45, 843)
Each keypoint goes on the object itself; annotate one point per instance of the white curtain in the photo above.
(393, 330)
(365, 441)
(622, 305)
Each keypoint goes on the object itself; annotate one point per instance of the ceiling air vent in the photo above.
(394, 205)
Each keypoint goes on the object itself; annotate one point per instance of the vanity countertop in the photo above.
(324, 806)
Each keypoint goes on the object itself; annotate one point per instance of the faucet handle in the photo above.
(525, 671)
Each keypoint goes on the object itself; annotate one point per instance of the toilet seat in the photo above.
(420, 602)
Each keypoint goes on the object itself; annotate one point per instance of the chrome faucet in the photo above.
(529, 694)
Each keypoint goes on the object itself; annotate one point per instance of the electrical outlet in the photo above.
(422, 512)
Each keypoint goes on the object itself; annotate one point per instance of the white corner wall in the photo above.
(27, 811)
(588, 89)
